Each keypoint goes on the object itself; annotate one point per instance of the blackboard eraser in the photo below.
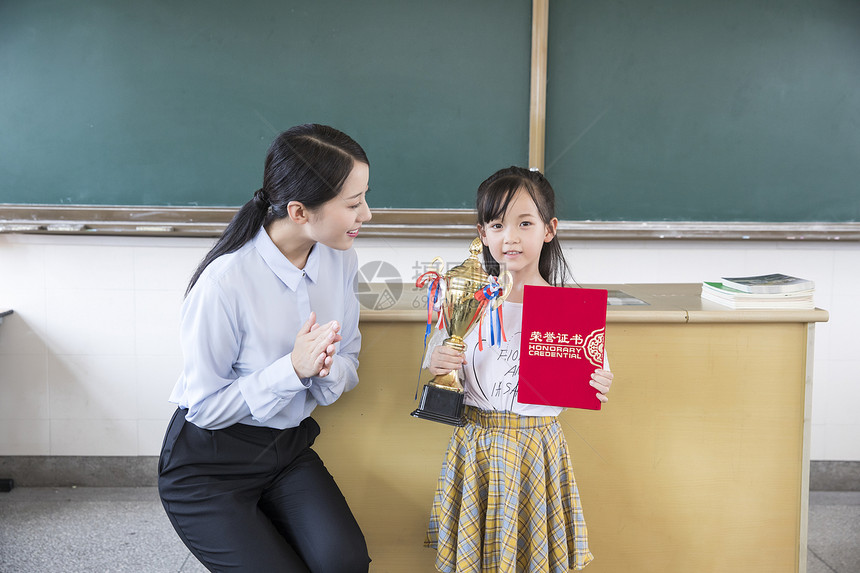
(19, 227)
(66, 227)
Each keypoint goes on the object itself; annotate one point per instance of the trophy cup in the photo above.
(462, 296)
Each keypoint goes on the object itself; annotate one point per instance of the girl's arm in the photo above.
(439, 359)
(444, 360)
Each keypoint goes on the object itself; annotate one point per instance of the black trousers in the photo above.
(257, 499)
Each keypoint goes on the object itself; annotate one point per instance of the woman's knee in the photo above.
(349, 555)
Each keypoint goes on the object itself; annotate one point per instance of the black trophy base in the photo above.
(441, 405)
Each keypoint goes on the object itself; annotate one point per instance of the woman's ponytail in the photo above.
(242, 228)
(261, 200)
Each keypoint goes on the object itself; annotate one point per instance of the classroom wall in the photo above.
(89, 357)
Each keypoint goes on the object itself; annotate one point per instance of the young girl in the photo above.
(269, 330)
(506, 499)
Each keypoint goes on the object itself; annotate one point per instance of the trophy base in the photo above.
(441, 405)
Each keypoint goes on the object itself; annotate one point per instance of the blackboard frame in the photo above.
(209, 221)
(175, 104)
(694, 110)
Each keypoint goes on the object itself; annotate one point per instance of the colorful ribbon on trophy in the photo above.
(431, 279)
(486, 296)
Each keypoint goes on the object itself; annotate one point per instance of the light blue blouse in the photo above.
(238, 328)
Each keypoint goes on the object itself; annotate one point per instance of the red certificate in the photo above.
(562, 344)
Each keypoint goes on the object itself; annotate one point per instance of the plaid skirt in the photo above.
(506, 499)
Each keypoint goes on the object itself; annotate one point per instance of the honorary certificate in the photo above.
(562, 344)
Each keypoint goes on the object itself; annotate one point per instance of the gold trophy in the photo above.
(461, 292)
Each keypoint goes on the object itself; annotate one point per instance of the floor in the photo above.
(90, 529)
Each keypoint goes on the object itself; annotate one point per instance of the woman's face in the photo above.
(336, 223)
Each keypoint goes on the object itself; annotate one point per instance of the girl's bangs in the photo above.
(498, 196)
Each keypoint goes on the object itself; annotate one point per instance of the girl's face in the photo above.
(516, 238)
(336, 223)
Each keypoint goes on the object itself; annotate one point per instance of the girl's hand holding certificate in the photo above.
(601, 380)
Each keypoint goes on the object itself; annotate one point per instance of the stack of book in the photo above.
(764, 291)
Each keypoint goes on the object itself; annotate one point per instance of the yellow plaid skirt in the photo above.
(506, 499)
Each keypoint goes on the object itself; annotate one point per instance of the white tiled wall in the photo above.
(90, 355)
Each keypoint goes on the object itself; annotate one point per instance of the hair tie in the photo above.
(261, 200)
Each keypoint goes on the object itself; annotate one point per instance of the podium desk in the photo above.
(699, 462)
(6, 484)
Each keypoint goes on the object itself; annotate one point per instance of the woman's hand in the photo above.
(602, 380)
(444, 360)
(313, 352)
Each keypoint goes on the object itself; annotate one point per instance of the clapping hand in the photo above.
(313, 352)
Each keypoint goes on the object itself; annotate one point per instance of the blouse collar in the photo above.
(289, 274)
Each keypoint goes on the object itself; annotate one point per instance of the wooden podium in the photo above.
(699, 462)
(6, 484)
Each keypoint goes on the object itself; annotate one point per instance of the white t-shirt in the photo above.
(491, 375)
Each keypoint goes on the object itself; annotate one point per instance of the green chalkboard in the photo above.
(703, 110)
(175, 103)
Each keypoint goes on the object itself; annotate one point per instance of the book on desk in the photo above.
(776, 283)
(761, 292)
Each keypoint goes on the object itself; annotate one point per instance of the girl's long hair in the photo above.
(307, 163)
(494, 196)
